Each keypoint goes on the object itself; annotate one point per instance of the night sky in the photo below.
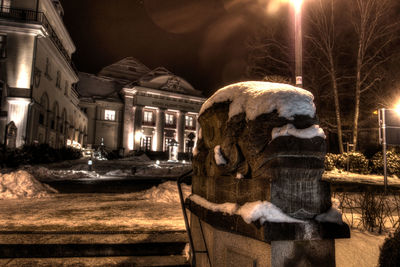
(202, 41)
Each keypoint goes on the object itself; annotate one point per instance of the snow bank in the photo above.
(22, 184)
(119, 173)
(250, 212)
(219, 159)
(45, 174)
(166, 193)
(289, 129)
(256, 98)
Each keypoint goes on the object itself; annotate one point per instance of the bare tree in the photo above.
(376, 31)
(322, 38)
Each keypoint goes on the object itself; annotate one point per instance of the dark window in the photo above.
(41, 119)
(52, 124)
(58, 79)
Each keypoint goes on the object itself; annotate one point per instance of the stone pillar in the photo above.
(128, 136)
(180, 130)
(303, 253)
(160, 123)
(137, 126)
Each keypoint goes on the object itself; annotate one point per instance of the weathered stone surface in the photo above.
(286, 171)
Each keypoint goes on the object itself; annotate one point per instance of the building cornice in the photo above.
(58, 24)
(7, 26)
(136, 89)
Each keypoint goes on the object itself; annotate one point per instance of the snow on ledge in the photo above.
(219, 158)
(289, 129)
(256, 98)
(250, 212)
(228, 208)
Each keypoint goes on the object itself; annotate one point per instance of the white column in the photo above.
(180, 130)
(128, 136)
(137, 126)
(160, 123)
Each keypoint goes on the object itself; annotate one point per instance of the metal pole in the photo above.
(384, 149)
(298, 46)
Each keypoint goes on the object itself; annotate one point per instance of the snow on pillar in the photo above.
(128, 136)
(180, 129)
(160, 123)
(137, 126)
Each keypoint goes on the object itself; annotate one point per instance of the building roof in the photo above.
(90, 85)
(130, 72)
(124, 71)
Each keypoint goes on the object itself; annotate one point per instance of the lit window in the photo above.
(109, 115)
(148, 116)
(189, 122)
(169, 119)
(5, 6)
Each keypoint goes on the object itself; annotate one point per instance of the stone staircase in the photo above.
(93, 248)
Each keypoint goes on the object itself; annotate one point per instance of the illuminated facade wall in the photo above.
(149, 113)
(40, 96)
(153, 119)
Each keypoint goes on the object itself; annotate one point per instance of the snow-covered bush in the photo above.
(331, 161)
(393, 163)
(390, 251)
(353, 162)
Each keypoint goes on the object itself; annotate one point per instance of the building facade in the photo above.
(131, 107)
(37, 75)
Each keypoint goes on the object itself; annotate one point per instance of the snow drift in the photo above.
(166, 193)
(21, 184)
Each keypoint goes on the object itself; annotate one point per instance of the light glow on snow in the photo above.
(256, 98)
(219, 158)
(289, 129)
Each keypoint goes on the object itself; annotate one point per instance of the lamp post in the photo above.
(298, 42)
(389, 134)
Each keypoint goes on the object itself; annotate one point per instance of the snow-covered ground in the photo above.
(28, 205)
(132, 167)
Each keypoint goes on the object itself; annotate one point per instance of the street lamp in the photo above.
(298, 43)
(389, 134)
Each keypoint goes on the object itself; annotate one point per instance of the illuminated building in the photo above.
(37, 75)
(135, 108)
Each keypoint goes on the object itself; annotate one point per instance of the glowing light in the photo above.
(18, 113)
(130, 141)
(397, 108)
(157, 162)
(297, 4)
(138, 136)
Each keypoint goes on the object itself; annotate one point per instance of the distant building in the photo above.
(37, 75)
(131, 107)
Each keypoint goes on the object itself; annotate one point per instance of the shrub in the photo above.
(390, 251)
(393, 163)
(331, 161)
(353, 162)
(37, 154)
